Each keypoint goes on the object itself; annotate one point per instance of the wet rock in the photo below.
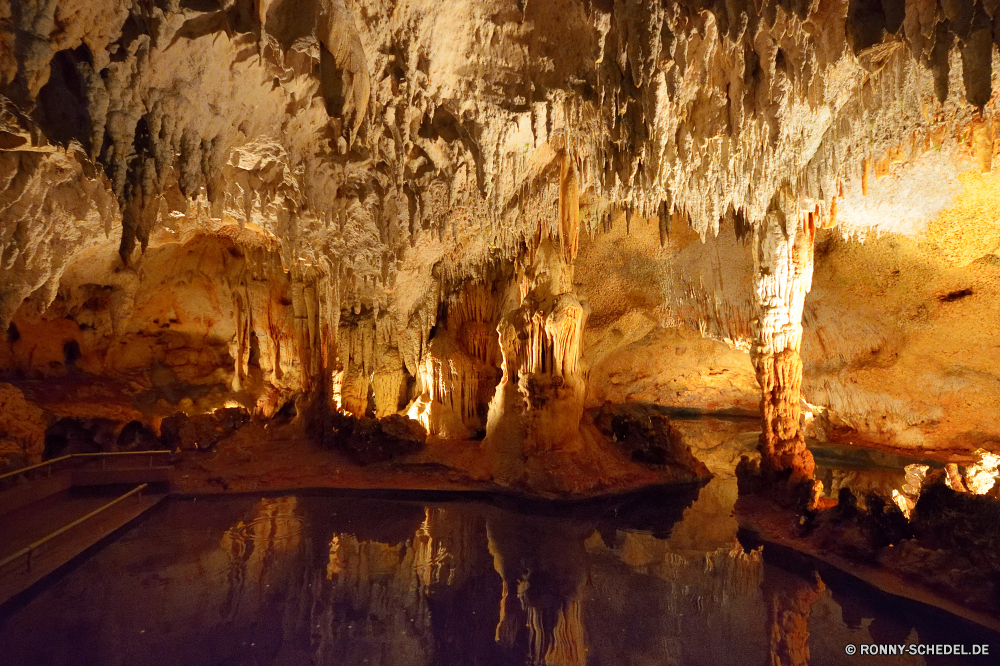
(847, 505)
(646, 436)
(885, 523)
(950, 544)
(960, 522)
(77, 435)
(22, 428)
(855, 531)
(137, 436)
(369, 441)
(949, 572)
(202, 431)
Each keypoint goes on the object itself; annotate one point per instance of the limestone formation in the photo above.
(22, 428)
(494, 216)
(789, 602)
(538, 405)
(783, 259)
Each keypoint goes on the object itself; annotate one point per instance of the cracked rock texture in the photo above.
(281, 204)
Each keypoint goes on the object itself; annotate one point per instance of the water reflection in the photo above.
(656, 578)
(543, 565)
(789, 600)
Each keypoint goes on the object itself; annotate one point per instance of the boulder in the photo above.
(202, 431)
(369, 441)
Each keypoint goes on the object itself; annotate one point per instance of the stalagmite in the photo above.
(281, 204)
(458, 371)
(346, 245)
(538, 405)
(783, 268)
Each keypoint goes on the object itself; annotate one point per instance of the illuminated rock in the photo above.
(332, 205)
(783, 258)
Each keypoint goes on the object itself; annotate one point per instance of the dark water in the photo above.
(652, 579)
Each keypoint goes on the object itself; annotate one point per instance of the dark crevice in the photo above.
(955, 295)
(62, 110)
(71, 352)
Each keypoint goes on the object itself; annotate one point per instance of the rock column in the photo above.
(783, 263)
(536, 412)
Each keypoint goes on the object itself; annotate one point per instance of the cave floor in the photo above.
(273, 457)
(269, 458)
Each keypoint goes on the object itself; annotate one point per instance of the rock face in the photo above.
(371, 441)
(495, 215)
(204, 430)
(22, 427)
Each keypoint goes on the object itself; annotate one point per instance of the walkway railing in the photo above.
(29, 550)
(50, 464)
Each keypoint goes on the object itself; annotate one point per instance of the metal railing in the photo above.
(29, 550)
(50, 464)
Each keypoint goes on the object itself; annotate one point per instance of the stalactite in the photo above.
(449, 389)
(357, 342)
(473, 315)
(340, 153)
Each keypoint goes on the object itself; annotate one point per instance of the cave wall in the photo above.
(254, 201)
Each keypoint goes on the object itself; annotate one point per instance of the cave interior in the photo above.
(697, 294)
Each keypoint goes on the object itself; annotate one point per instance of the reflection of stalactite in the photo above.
(376, 581)
(556, 638)
(431, 556)
(789, 601)
(251, 546)
(543, 568)
(390, 585)
(783, 263)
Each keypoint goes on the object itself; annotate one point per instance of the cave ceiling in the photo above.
(279, 195)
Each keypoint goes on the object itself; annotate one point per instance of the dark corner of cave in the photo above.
(499, 332)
